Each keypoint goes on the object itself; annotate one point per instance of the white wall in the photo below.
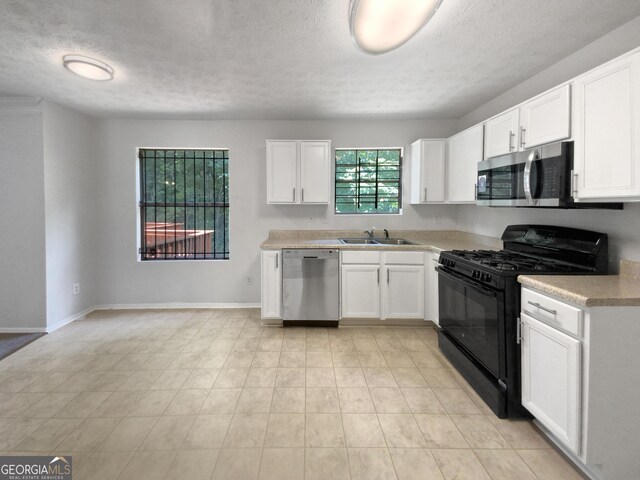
(617, 42)
(70, 160)
(124, 280)
(623, 227)
(22, 220)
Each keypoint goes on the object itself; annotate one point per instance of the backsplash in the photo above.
(620, 225)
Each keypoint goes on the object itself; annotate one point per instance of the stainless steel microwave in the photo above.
(538, 177)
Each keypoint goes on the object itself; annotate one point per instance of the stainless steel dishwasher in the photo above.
(310, 287)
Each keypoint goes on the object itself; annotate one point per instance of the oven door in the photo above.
(473, 315)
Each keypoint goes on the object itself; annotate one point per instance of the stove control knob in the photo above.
(475, 274)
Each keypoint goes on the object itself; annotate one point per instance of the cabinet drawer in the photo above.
(552, 311)
(360, 257)
(403, 258)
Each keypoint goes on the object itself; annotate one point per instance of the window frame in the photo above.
(400, 181)
(140, 222)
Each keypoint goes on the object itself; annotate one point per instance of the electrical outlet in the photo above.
(248, 280)
(76, 288)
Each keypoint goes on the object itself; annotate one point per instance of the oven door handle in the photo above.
(534, 155)
(477, 286)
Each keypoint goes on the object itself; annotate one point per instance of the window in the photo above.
(369, 180)
(184, 204)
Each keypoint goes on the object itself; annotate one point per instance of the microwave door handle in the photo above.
(534, 155)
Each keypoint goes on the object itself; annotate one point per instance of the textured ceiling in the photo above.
(286, 59)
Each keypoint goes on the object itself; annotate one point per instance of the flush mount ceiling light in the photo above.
(88, 67)
(379, 26)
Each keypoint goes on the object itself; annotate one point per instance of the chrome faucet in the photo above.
(386, 233)
(370, 232)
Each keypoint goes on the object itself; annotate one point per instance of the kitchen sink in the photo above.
(395, 241)
(377, 241)
(359, 241)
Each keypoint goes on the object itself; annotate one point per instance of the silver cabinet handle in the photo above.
(511, 137)
(302, 194)
(518, 330)
(277, 255)
(378, 275)
(522, 132)
(425, 194)
(537, 305)
(294, 194)
(387, 276)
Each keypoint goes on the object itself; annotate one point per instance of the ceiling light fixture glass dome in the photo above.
(379, 26)
(88, 67)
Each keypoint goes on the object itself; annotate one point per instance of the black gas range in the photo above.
(479, 302)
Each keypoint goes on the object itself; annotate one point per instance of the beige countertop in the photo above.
(426, 240)
(592, 290)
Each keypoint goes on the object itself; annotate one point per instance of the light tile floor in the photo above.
(211, 394)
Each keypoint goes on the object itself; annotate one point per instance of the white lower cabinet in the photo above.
(271, 285)
(360, 291)
(580, 380)
(551, 377)
(431, 287)
(382, 284)
(403, 291)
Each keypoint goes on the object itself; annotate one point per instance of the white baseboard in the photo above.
(22, 330)
(124, 306)
(72, 318)
(48, 328)
(166, 306)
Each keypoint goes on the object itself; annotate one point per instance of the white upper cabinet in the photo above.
(546, 118)
(543, 119)
(282, 171)
(501, 134)
(298, 172)
(464, 153)
(428, 171)
(315, 168)
(607, 131)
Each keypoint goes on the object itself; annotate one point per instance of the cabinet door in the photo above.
(500, 134)
(315, 171)
(282, 172)
(551, 379)
(546, 118)
(360, 291)
(607, 130)
(428, 171)
(403, 291)
(431, 287)
(271, 284)
(464, 153)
